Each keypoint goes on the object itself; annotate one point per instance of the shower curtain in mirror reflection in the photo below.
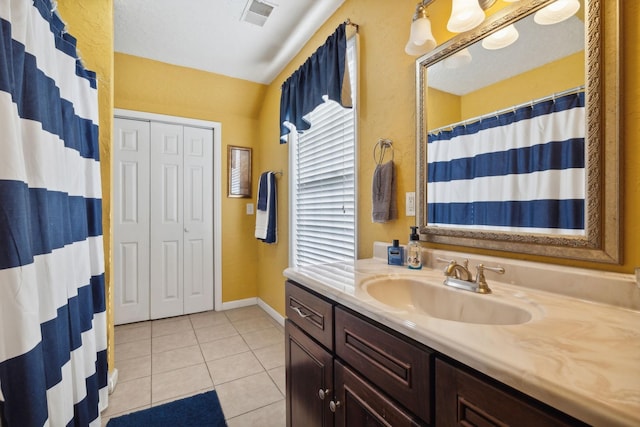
(519, 171)
(53, 340)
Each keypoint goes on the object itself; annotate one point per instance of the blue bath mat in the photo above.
(199, 410)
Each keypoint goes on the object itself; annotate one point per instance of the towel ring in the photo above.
(382, 146)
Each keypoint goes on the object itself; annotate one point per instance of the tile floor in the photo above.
(239, 353)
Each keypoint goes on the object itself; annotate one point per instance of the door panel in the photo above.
(198, 219)
(131, 220)
(166, 217)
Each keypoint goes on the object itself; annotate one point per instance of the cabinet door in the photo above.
(360, 404)
(309, 371)
(131, 220)
(464, 399)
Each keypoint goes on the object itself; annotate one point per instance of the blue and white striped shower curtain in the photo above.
(53, 341)
(519, 171)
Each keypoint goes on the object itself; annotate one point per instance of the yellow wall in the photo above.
(152, 86)
(387, 109)
(443, 108)
(249, 114)
(92, 24)
(555, 77)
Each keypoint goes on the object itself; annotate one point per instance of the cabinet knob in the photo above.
(323, 393)
(334, 405)
(186, 230)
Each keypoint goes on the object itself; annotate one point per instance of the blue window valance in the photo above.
(323, 74)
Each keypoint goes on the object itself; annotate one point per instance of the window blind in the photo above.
(324, 182)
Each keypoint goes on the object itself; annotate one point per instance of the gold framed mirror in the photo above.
(239, 171)
(595, 233)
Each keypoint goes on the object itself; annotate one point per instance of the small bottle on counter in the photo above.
(414, 250)
(395, 255)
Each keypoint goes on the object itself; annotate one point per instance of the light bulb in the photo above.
(501, 38)
(418, 50)
(421, 39)
(557, 11)
(465, 15)
(458, 59)
(420, 31)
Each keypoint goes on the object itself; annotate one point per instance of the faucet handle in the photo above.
(498, 269)
(481, 282)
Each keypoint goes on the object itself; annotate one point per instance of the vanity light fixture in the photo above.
(458, 59)
(468, 14)
(465, 15)
(421, 39)
(556, 12)
(501, 38)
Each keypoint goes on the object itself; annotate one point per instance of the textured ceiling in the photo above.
(537, 45)
(209, 35)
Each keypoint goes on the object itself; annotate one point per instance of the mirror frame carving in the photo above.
(601, 242)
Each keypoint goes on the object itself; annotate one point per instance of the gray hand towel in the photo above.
(385, 206)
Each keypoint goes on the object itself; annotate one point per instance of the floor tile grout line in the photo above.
(253, 410)
(213, 384)
(200, 344)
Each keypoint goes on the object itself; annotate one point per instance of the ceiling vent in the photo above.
(256, 12)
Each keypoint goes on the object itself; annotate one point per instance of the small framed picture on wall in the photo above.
(239, 164)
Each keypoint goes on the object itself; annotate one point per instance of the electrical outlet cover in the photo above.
(410, 200)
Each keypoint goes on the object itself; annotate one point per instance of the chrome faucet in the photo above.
(459, 276)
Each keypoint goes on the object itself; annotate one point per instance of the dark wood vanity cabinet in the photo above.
(309, 369)
(362, 404)
(325, 390)
(344, 369)
(401, 368)
(467, 399)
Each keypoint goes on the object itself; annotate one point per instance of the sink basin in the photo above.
(434, 299)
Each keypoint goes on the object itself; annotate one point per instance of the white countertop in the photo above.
(579, 356)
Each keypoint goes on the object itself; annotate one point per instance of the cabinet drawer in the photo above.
(463, 398)
(402, 369)
(311, 313)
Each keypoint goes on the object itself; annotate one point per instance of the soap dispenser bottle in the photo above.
(394, 254)
(414, 250)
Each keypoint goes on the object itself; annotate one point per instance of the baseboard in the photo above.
(112, 380)
(254, 301)
(273, 313)
(239, 303)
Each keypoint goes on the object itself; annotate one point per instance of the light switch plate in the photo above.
(411, 203)
(249, 208)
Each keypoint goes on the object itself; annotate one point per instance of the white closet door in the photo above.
(166, 217)
(131, 220)
(198, 219)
